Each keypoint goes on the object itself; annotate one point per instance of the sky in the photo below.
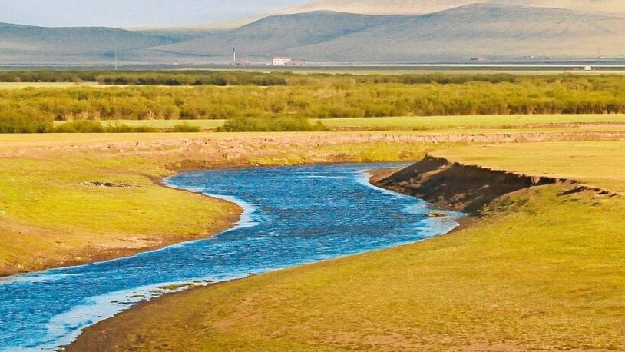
(133, 13)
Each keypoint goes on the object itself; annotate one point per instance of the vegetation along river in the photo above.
(292, 216)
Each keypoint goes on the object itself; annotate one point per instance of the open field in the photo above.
(542, 270)
(21, 85)
(442, 124)
(167, 124)
(56, 209)
(447, 123)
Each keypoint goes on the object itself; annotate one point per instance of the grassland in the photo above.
(439, 124)
(22, 85)
(451, 123)
(53, 213)
(542, 270)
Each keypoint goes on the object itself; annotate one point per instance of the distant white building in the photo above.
(280, 61)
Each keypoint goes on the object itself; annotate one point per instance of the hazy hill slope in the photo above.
(277, 34)
(428, 6)
(479, 30)
(420, 7)
(32, 44)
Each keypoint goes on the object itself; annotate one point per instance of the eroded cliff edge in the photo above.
(455, 186)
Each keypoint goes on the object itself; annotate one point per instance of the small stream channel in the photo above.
(293, 216)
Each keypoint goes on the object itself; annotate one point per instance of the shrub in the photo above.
(186, 127)
(80, 127)
(260, 124)
(20, 122)
(123, 128)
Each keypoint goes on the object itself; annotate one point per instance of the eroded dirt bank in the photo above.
(459, 187)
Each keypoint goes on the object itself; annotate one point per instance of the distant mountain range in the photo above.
(488, 31)
(419, 7)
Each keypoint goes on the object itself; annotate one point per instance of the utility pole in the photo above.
(115, 54)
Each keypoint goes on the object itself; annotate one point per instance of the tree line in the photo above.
(324, 96)
(226, 78)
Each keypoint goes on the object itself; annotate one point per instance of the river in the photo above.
(292, 216)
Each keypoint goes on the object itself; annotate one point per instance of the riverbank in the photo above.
(80, 198)
(75, 199)
(541, 269)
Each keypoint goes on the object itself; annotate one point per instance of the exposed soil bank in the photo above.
(467, 188)
(459, 187)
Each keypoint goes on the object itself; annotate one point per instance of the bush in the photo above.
(80, 127)
(266, 124)
(97, 127)
(186, 127)
(123, 128)
(17, 122)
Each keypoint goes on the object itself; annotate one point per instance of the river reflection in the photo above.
(293, 216)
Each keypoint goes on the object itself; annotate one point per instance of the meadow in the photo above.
(542, 269)
(450, 124)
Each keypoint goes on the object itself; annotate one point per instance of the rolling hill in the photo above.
(479, 30)
(491, 31)
(413, 7)
(419, 7)
(31, 44)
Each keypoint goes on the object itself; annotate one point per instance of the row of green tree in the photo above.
(527, 95)
(250, 77)
(26, 124)
(317, 96)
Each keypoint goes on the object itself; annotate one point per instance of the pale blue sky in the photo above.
(133, 13)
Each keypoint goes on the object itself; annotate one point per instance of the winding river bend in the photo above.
(293, 216)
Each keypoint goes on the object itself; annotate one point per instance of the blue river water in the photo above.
(292, 216)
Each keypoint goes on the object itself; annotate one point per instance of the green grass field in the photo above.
(543, 270)
(168, 124)
(52, 214)
(448, 124)
(21, 85)
(427, 123)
